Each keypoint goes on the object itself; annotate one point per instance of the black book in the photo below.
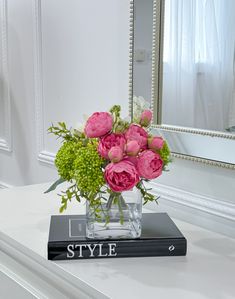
(160, 237)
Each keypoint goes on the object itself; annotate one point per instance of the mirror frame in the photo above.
(131, 57)
(156, 92)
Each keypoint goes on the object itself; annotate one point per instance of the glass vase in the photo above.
(118, 217)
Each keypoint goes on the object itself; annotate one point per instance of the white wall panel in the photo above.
(5, 109)
(21, 166)
(1, 81)
(81, 61)
(66, 59)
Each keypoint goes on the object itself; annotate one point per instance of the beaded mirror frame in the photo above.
(205, 146)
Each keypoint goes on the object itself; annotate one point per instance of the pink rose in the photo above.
(145, 118)
(155, 143)
(98, 124)
(132, 148)
(115, 154)
(149, 165)
(121, 176)
(108, 141)
(138, 134)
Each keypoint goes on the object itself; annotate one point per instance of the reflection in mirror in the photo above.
(198, 74)
(143, 26)
(199, 64)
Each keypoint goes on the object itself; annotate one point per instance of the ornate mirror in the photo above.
(184, 66)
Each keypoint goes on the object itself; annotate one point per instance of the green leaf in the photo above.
(55, 184)
(62, 208)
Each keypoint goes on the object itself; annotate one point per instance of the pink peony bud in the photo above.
(145, 118)
(132, 148)
(115, 154)
(155, 143)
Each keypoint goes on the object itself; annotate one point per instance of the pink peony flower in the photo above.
(138, 134)
(149, 165)
(145, 118)
(155, 143)
(121, 176)
(132, 148)
(131, 159)
(108, 141)
(115, 154)
(98, 124)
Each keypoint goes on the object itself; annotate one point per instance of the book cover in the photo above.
(160, 237)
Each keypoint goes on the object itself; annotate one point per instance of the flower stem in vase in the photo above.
(118, 200)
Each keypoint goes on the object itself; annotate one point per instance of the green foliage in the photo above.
(147, 197)
(119, 125)
(65, 157)
(61, 131)
(115, 110)
(68, 195)
(55, 184)
(165, 154)
(78, 161)
(73, 192)
(88, 169)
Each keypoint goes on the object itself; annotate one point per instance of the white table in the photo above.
(207, 272)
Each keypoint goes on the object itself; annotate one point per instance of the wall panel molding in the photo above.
(4, 185)
(42, 154)
(46, 157)
(218, 208)
(6, 140)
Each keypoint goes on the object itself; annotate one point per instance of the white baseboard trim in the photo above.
(4, 185)
(196, 201)
(4, 145)
(215, 215)
(46, 157)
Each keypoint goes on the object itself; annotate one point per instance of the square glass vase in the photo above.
(118, 217)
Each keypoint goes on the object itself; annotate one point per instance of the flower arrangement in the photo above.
(110, 155)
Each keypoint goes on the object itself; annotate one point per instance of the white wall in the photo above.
(61, 59)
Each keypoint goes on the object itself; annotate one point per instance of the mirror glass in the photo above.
(194, 84)
(142, 69)
(199, 64)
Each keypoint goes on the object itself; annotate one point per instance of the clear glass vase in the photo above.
(118, 217)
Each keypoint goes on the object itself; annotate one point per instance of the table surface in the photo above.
(207, 272)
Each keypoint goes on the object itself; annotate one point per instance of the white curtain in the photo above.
(198, 76)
